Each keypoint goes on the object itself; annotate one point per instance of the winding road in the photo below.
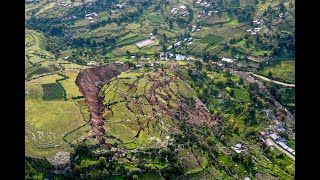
(270, 80)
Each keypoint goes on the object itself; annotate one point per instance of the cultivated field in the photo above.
(48, 117)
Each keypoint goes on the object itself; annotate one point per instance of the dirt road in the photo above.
(278, 147)
(270, 80)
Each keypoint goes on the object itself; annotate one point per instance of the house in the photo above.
(262, 140)
(262, 133)
(283, 145)
(238, 146)
(246, 178)
(182, 7)
(281, 129)
(274, 137)
(290, 150)
(249, 30)
(189, 43)
(91, 63)
(227, 60)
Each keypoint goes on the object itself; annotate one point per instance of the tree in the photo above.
(155, 31)
(105, 173)
(220, 84)
(269, 73)
(241, 81)
(210, 141)
(282, 118)
(247, 160)
(102, 161)
(104, 51)
(198, 65)
(128, 53)
(205, 56)
(231, 92)
(135, 177)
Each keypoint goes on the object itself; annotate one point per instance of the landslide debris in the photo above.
(88, 81)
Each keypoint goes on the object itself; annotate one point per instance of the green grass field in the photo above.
(52, 91)
(212, 39)
(48, 121)
(212, 20)
(156, 18)
(241, 94)
(285, 70)
(69, 85)
(122, 50)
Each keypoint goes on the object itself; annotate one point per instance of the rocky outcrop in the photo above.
(60, 162)
(88, 81)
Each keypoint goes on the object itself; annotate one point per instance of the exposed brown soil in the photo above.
(88, 81)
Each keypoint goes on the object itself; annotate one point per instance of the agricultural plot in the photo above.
(156, 18)
(48, 121)
(212, 39)
(190, 160)
(150, 49)
(73, 66)
(46, 7)
(122, 50)
(133, 26)
(284, 70)
(241, 94)
(102, 31)
(197, 47)
(244, 3)
(69, 85)
(44, 68)
(129, 40)
(52, 91)
(169, 34)
(216, 19)
(225, 31)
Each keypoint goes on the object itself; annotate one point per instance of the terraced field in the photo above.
(134, 102)
(48, 120)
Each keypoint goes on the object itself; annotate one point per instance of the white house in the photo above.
(274, 137)
(227, 60)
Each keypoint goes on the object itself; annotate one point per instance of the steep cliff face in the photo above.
(88, 81)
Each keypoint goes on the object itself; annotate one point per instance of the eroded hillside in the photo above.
(88, 81)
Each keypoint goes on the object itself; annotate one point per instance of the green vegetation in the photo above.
(283, 70)
(69, 84)
(212, 39)
(52, 91)
(163, 119)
